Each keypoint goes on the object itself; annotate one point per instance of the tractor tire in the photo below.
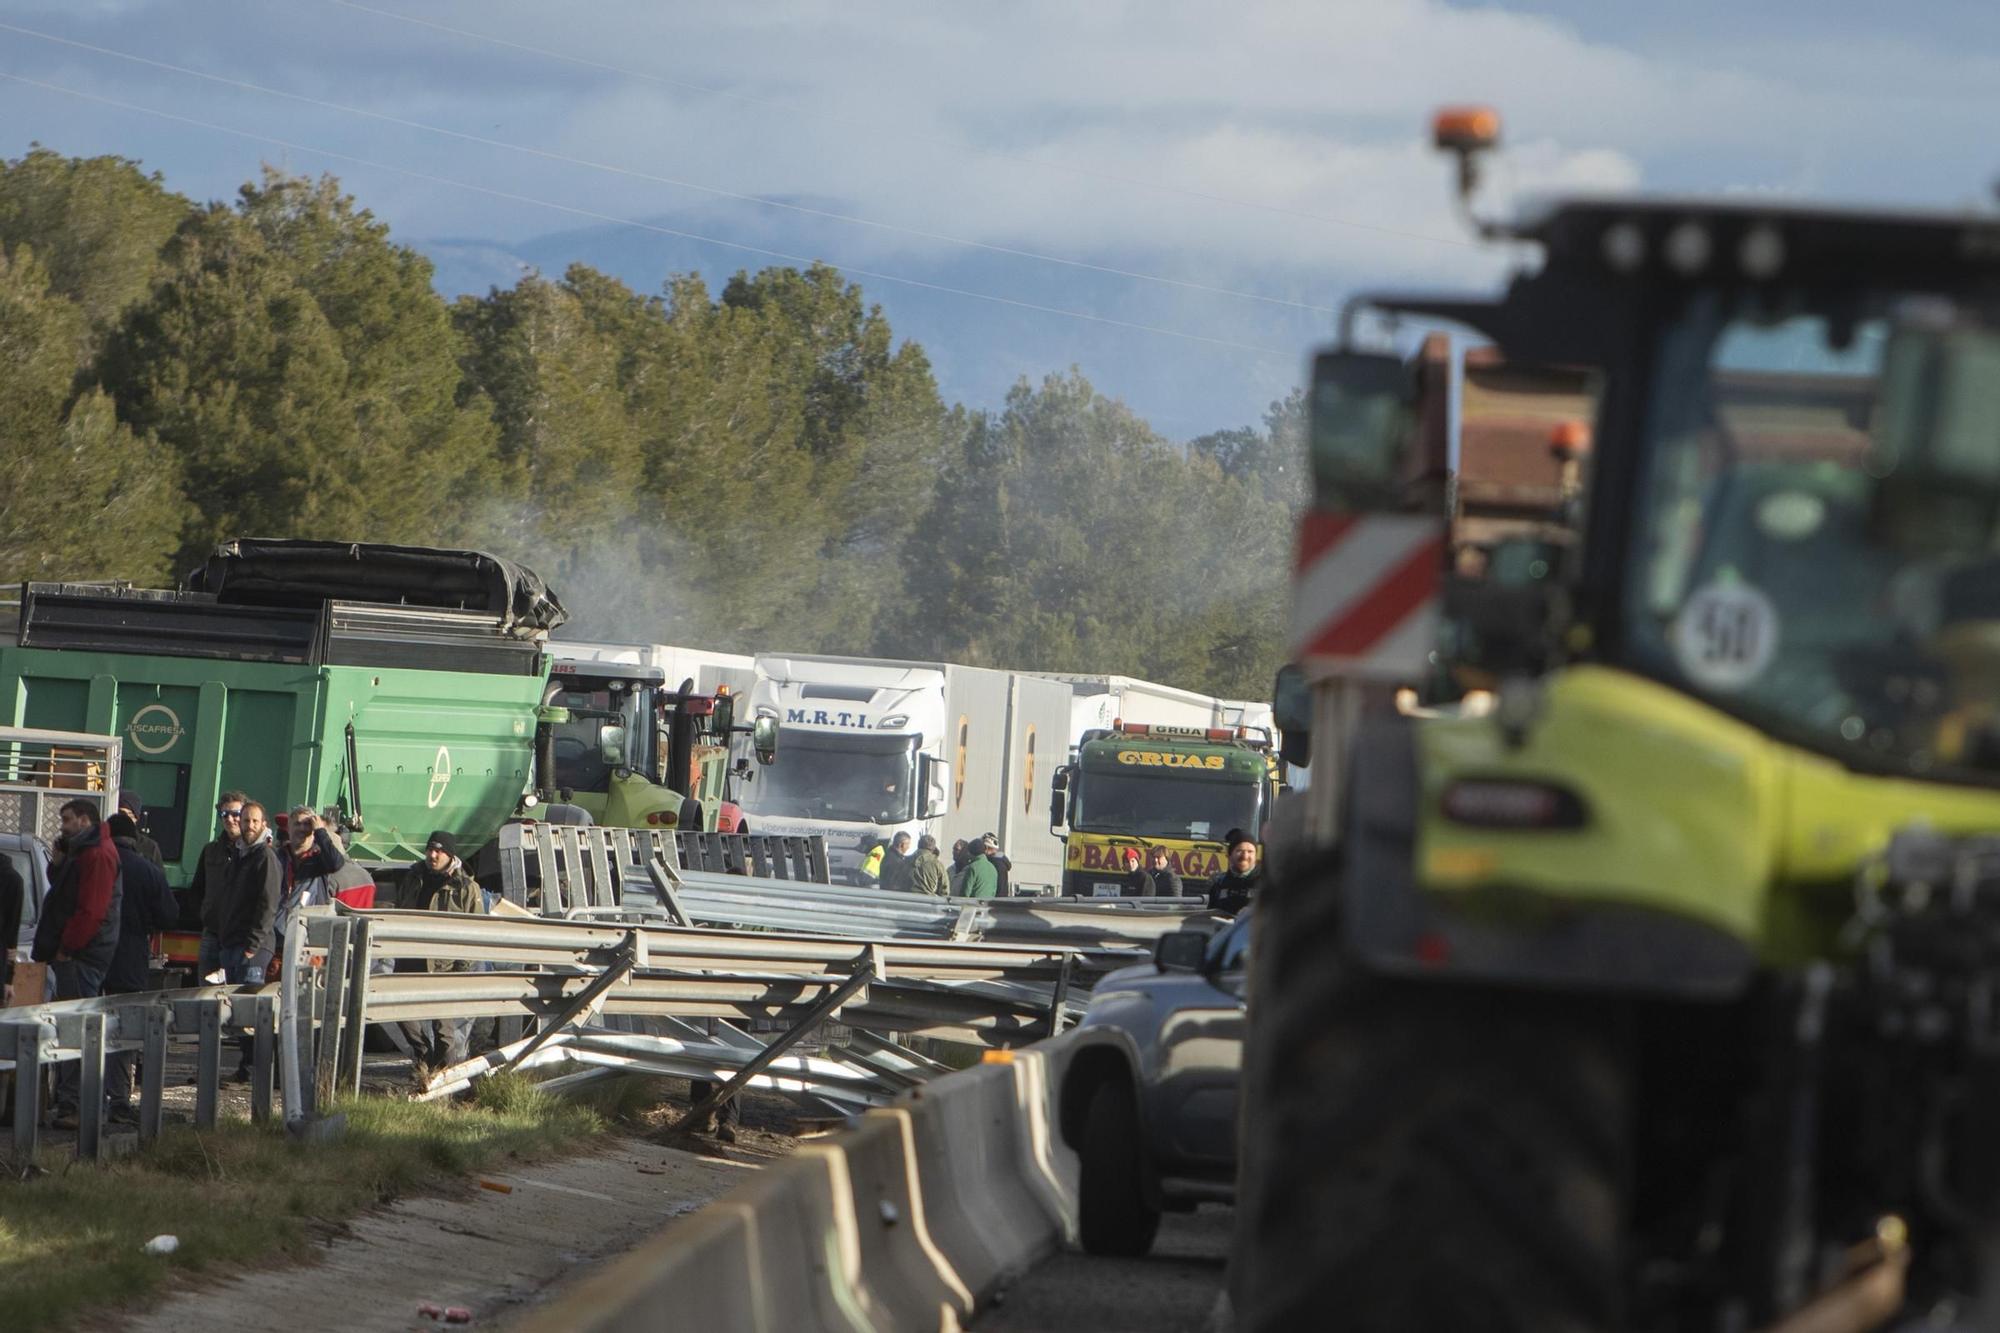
(1117, 1211)
(1425, 1155)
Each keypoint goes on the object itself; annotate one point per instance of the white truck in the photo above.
(707, 669)
(870, 748)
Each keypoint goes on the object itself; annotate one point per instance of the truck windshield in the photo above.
(579, 764)
(835, 775)
(1817, 544)
(1161, 806)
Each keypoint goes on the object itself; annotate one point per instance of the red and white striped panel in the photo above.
(1365, 592)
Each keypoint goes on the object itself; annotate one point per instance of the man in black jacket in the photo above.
(146, 905)
(210, 884)
(1231, 891)
(1163, 881)
(248, 924)
(134, 809)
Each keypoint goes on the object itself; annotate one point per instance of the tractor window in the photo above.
(580, 765)
(1817, 527)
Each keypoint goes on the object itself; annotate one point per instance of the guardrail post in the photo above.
(759, 857)
(208, 1064)
(354, 1038)
(153, 1074)
(1061, 997)
(333, 1009)
(551, 902)
(265, 1008)
(662, 876)
(90, 1089)
(27, 1090)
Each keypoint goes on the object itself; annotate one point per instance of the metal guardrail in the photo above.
(554, 869)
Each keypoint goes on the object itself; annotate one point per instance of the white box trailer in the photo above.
(1098, 701)
(707, 669)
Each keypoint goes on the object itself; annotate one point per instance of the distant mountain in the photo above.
(978, 348)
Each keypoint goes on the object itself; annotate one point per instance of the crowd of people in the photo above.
(108, 896)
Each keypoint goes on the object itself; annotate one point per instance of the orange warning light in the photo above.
(1570, 439)
(1466, 128)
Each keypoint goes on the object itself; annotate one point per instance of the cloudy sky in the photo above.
(1172, 195)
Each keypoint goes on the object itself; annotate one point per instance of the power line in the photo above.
(874, 128)
(876, 274)
(652, 178)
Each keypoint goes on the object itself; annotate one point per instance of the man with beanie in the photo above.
(134, 809)
(146, 905)
(439, 883)
(1230, 891)
(78, 932)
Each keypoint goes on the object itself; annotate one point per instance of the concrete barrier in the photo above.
(907, 1221)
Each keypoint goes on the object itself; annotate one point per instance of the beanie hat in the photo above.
(122, 826)
(441, 838)
(129, 800)
(1235, 836)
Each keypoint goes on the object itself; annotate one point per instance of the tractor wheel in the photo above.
(1117, 1212)
(1425, 1155)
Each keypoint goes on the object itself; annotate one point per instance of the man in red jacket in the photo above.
(78, 932)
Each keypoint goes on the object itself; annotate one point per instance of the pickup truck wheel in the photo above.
(1117, 1213)
(1428, 1154)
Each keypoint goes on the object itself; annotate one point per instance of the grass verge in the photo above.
(243, 1196)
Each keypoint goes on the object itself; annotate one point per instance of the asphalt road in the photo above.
(1175, 1289)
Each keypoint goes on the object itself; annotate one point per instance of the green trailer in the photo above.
(400, 717)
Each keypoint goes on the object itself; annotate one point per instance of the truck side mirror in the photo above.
(1059, 800)
(611, 743)
(1361, 419)
(931, 775)
(723, 720)
(764, 739)
(1291, 711)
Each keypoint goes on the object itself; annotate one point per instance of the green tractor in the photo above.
(1661, 991)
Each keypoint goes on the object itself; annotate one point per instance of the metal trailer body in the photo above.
(871, 748)
(1097, 702)
(42, 770)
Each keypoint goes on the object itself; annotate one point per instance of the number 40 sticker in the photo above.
(1725, 636)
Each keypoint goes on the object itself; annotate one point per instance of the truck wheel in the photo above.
(1116, 1213)
(1428, 1155)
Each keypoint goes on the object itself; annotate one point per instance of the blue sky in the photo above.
(1216, 176)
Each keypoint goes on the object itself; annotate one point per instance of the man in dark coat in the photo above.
(896, 864)
(13, 902)
(248, 925)
(210, 885)
(1230, 891)
(134, 809)
(146, 905)
(78, 932)
(1163, 881)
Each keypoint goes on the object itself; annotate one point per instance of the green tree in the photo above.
(84, 498)
(417, 450)
(98, 225)
(231, 364)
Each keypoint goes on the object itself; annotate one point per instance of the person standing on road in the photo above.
(1164, 880)
(1230, 891)
(896, 864)
(1003, 869)
(146, 905)
(133, 808)
(982, 873)
(1137, 882)
(78, 932)
(13, 902)
(210, 884)
(961, 857)
(927, 873)
(439, 883)
(317, 870)
(248, 934)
